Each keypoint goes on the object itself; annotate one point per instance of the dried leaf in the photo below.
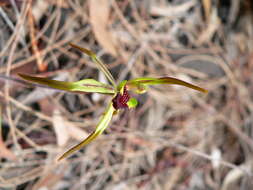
(99, 15)
(60, 128)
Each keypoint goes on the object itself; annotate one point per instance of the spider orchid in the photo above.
(120, 93)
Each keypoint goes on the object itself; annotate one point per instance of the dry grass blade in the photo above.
(41, 66)
(18, 180)
(207, 4)
(4, 151)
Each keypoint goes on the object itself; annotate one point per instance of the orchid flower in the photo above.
(121, 98)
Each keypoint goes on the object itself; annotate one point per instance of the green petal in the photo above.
(85, 85)
(101, 66)
(142, 83)
(102, 125)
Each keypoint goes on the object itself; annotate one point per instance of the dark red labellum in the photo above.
(120, 101)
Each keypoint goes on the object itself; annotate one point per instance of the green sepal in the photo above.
(85, 85)
(137, 87)
(140, 84)
(132, 103)
(102, 125)
(99, 63)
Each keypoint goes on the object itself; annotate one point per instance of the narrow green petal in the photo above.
(85, 85)
(142, 79)
(164, 80)
(101, 66)
(102, 125)
(121, 86)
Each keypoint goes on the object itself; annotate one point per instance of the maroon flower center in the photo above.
(120, 101)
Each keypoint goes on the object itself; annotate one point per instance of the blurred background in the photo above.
(176, 138)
